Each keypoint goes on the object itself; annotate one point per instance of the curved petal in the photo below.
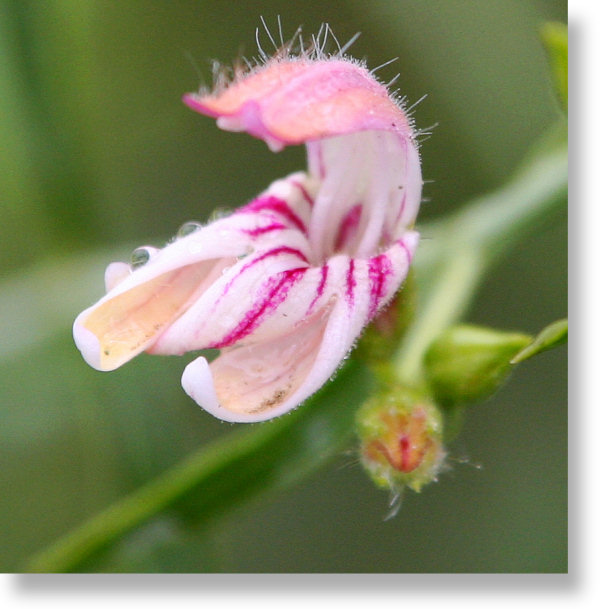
(370, 182)
(115, 273)
(126, 323)
(285, 285)
(259, 381)
(360, 143)
(239, 302)
(264, 379)
(141, 304)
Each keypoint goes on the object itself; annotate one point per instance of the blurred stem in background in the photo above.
(470, 242)
(56, 63)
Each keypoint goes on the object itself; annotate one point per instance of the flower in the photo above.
(284, 285)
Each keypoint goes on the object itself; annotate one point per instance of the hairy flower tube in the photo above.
(284, 286)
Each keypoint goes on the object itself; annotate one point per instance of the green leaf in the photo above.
(555, 38)
(551, 336)
(221, 475)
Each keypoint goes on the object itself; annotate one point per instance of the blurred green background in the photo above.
(99, 155)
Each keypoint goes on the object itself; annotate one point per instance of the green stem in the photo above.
(477, 236)
(119, 518)
(449, 300)
(219, 476)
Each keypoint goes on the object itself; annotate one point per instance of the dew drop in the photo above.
(219, 213)
(139, 257)
(188, 228)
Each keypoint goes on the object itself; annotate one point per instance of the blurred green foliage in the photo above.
(555, 37)
(99, 155)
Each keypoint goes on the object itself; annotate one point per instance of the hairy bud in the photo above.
(401, 440)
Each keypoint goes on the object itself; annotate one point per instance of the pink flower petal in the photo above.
(295, 100)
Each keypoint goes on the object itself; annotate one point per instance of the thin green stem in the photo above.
(119, 518)
(232, 469)
(464, 247)
(449, 300)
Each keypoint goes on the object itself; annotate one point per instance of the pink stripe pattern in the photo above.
(275, 292)
(380, 270)
(280, 207)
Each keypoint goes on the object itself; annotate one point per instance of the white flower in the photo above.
(285, 285)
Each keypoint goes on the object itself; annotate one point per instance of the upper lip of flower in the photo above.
(284, 285)
(275, 108)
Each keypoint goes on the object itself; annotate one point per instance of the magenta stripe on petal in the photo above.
(380, 268)
(350, 283)
(320, 288)
(261, 230)
(304, 192)
(277, 205)
(284, 249)
(276, 291)
(348, 227)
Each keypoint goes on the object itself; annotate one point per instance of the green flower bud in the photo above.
(401, 440)
(469, 363)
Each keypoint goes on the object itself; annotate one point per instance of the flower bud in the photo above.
(468, 363)
(401, 440)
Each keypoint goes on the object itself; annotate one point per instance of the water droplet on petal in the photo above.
(219, 213)
(139, 257)
(188, 228)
